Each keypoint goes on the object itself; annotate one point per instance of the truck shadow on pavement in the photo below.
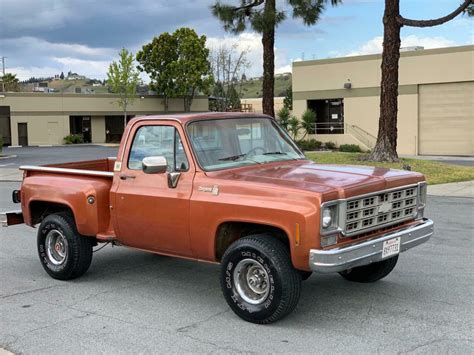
(327, 298)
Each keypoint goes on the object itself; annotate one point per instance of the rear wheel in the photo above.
(372, 272)
(258, 280)
(63, 252)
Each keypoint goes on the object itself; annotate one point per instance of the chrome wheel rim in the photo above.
(56, 247)
(251, 281)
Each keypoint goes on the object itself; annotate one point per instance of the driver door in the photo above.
(150, 213)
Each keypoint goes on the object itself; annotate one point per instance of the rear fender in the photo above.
(87, 198)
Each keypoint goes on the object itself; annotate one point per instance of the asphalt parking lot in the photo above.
(50, 155)
(135, 302)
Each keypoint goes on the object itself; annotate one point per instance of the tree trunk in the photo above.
(187, 104)
(268, 42)
(386, 147)
(124, 116)
(166, 103)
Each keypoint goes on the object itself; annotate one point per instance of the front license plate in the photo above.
(391, 247)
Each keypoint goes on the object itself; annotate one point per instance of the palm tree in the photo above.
(308, 119)
(263, 17)
(10, 82)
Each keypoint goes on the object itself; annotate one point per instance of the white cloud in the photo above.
(284, 69)
(252, 43)
(24, 73)
(374, 45)
(89, 68)
(41, 46)
(41, 58)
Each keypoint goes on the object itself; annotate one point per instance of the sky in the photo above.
(44, 37)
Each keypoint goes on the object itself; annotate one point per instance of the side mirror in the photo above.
(154, 165)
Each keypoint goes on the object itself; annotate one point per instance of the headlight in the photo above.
(329, 218)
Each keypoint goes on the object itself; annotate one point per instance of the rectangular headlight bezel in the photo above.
(422, 194)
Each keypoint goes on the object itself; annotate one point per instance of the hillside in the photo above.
(70, 85)
(252, 88)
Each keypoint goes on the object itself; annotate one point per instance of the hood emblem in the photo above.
(385, 207)
(212, 189)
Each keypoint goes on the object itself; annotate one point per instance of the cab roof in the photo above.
(184, 118)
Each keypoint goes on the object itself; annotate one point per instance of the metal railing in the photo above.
(328, 128)
(362, 135)
(357, 132)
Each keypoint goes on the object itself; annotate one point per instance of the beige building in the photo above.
(436, 100)
(45, 119)
(255, 104)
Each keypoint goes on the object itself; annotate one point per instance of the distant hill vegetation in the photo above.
(252, 88)
(247, 88)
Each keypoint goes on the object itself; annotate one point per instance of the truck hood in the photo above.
(331, 181)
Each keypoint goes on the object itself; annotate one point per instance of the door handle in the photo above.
(125, 177)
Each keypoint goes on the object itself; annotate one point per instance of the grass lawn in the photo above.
(435, 172)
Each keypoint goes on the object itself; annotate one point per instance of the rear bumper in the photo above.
(11, 218)
(368, 251)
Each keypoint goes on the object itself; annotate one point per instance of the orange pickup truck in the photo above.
(232, 189)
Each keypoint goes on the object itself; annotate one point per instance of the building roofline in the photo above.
(360, 58)
(67, 94)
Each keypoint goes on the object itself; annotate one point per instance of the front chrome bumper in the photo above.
(368, 251)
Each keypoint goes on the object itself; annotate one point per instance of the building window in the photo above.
(329, 115)
(81, 125)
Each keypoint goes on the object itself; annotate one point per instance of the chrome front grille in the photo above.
(380, 209)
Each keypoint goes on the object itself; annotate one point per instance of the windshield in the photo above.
(234, 142)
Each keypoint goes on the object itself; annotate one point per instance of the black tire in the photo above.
(268, 255)
(372, 272)
(71, 255)
(305, 275)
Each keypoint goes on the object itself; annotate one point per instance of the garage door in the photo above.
(446, 113)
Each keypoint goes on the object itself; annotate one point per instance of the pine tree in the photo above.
(263, 17)
(386, 147)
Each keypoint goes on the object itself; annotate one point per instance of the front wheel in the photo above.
(372, 272)
(258, 280)
(63, 252)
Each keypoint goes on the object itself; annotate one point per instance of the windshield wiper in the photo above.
(275, 153)
(280, 153)
(233, 157)
(237, 157)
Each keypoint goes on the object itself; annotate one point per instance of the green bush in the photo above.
(351, 148)
(330, 145)
(283, 117)
(311, 144)
(74, 139)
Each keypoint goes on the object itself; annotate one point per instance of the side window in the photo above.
(162, 141)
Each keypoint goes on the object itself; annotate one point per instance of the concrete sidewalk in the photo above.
(455, 189)
(452, 160)
(11, 174)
